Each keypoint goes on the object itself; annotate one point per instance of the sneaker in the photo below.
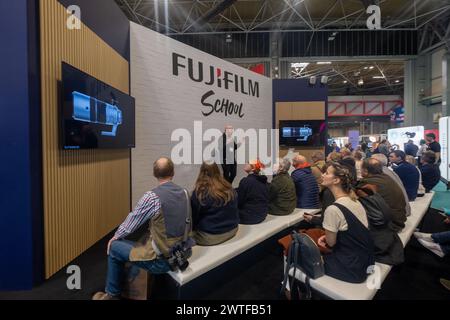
(433, 247)
(424, 236)
(445, 283)
(103, 296)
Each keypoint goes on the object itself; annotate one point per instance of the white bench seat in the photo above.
(205, 259)
(340, 290)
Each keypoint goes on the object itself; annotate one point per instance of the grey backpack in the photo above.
(304, 255)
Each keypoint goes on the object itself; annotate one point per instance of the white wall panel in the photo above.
(165, 102)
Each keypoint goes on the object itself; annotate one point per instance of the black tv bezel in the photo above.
(280, 128)
(61, 125)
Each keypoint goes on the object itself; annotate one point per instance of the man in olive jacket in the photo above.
(372, 172)
(282, 196)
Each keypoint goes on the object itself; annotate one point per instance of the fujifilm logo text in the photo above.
(213, 76)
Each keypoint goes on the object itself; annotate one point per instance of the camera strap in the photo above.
(187, 228)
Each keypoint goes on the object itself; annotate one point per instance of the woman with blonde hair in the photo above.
(345, 241)
(346, 229)
(215, 214)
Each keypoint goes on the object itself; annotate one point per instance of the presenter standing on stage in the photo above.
(229, 147)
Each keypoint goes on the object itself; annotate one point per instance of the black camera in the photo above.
(179, 255)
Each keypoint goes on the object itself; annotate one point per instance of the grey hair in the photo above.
(319, 155)
(381, 158)
(285, 165)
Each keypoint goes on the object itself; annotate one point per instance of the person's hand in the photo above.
(308, 217)
(109, 244)
(322, 242)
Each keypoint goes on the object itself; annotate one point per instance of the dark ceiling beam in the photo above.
(221, 7)
(366, 3)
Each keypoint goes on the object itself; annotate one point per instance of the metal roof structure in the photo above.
(286, 32)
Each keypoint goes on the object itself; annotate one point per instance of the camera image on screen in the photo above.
(301, 133)
(310, 133)
(94, 115)
(88, 109)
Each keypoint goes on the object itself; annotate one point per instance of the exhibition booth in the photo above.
(113, 98)
(92, 103)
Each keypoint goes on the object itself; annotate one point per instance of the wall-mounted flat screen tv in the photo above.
(308, 133)
(94, 115)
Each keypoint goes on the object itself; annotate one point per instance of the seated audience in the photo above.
(305, 184)
(372, 172)
(422, 148)
(335, 147)
(318, 166)
(430, 170)
(326, 197)
(411, 149)
(346, 230)
(407, 173)
(334, 156)
(387, 171)
(346, 243)
(345, 152)
(349, 146)
(350, 164)
(253, 195)
(366, 150)
(215, 214)
(438, 243)
(164, 209)
(358, 156)
(421, 189)
(383, 147)
(282, 196)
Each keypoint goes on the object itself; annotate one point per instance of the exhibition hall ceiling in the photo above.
(298, 27)
(353, 78)
(182, 16)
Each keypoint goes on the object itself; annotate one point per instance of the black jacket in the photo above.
(430, 176)
(253, 198)
(223, 150)
(212, 218)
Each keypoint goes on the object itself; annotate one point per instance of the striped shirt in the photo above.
(147, 208)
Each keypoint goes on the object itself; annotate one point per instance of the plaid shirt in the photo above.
(147, 208)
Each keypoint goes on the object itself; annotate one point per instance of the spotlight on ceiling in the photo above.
(360, 82)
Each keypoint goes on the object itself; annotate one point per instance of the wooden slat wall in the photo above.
(86, 192)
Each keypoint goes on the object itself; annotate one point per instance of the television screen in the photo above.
(94, 114)
(310, 133)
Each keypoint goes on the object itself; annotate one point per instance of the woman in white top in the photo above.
(346, 230)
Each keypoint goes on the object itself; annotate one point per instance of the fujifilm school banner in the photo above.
(184, 98)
